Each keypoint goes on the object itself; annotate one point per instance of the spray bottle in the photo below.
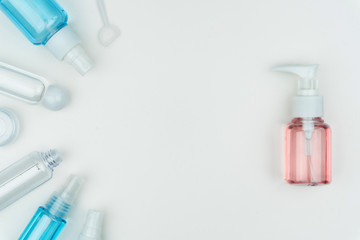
(49, 220)
(44, 22)
(307, 137)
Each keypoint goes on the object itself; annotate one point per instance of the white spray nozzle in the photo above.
(308, 85)
(93, 226)
(61, 202)
(71, 189)
(66, 45)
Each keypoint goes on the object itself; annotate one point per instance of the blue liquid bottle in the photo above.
(49, 221)
(45, 22)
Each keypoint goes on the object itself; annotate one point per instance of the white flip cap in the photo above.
(308, 104)
(66, 45)
(9, 127)
(93, 226)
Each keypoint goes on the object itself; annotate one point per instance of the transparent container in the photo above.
(25, 175)
(48, 221)
(30, 88)
(308, 157)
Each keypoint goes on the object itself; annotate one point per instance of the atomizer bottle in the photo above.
(48, 221)
(31, 88)
(25, 175)
(45, 22)
(307, 137)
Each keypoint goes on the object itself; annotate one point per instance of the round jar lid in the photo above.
(9, 127)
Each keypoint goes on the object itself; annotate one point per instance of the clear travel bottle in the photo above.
(307, 137)
(31, 88)
(25, 175)
(48, 221)
(45, 22)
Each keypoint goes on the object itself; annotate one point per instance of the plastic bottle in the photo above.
(45, 22)
(307, 137)
(48, 221)
(25, 175)
(31, 88)
(93, 226)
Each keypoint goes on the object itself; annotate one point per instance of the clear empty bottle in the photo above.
(307, 137)
(25, 175)
(30, 88)
(48, 221)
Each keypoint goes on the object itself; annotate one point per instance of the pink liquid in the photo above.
(304, 166)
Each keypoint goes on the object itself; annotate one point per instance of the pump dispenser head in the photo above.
(307, 85)
(307, 103)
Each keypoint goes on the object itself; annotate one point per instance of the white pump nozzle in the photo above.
(308, 85)
(308, 104)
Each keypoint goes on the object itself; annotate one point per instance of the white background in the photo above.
(179, 128)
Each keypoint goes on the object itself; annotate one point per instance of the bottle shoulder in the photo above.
(37, 20)
(316, 126)
(46, 213)
(300, 122)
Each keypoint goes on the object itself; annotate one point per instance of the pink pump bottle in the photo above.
(307, 137)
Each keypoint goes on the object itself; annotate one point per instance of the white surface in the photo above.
(178, 129)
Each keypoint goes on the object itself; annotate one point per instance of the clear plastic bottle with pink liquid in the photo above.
(308, 161)
(307, 137)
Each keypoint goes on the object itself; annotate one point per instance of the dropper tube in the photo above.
(308, 128)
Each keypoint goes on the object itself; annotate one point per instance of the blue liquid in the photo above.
(43, 226)
(38, 20)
